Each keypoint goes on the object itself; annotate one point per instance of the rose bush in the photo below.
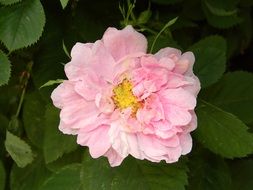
(130, 94)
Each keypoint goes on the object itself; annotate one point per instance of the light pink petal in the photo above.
(90, 86)
(120, 43)
(97, 140)
(66, 129)
(80, 59)
(86, 90)
(102, 62)
(138, 90)
(118, 138)
(177, 115)
(173, 141)
(165, 134)
(104, 103)
(162, 125)
(113, 157)
(178, 97)
(150, 145)
(133, 146)
(80, 114)
(123, 69)
(149, 62)
(174, 154)
(64, 94)
(144, 116)
(188, 56)
(193, 85)
(168, 63)
(168, 52)
(186, 143)
(176, 80)
(80, 50)
(156, 149)
(192, 125)
(185, 63)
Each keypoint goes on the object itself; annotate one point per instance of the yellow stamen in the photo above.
(124, 98)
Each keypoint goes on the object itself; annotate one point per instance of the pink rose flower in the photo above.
(121, 100)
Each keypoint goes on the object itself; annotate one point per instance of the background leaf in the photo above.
(21, 24)
(221, 14)
(52, 82)
(9, 2)
(132, 174)
(55, 142)
(33, 117)
(30, 177)
(5, 68)
(67, 178)
(19, 150)
(64, 3)
(242, 174)
(2, 176)
(67, 159)
(3, 126)
(233, 93)
(210, 62)
(208, 172)
(222, 132)
(48, 61)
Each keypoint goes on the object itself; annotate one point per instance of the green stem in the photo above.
(29, 68)
(168, 24)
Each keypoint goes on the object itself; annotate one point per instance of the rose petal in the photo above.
(121, 43)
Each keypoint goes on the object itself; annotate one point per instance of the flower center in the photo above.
(124, 98)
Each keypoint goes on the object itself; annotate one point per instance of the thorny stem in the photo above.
(27, 76)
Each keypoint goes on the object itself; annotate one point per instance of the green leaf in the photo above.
(29, 178)
(65, 50)
(5, 69)
(168, 24)
(67, 159)
(33, 118)
(233, 93)
(47, 62)
(21, 24)
(144, 17)
(222, 132)
(67, 178)
(221, 14)
(162, 42)
(210, 62)
(219, 11)
(15, 125)
(3, 126)
(9, 2)
(64, 3)
(55, 142)
(52, 82)
(2, 176)
(242, 174)
(208, 172)
(132, 174)
(19, 150)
